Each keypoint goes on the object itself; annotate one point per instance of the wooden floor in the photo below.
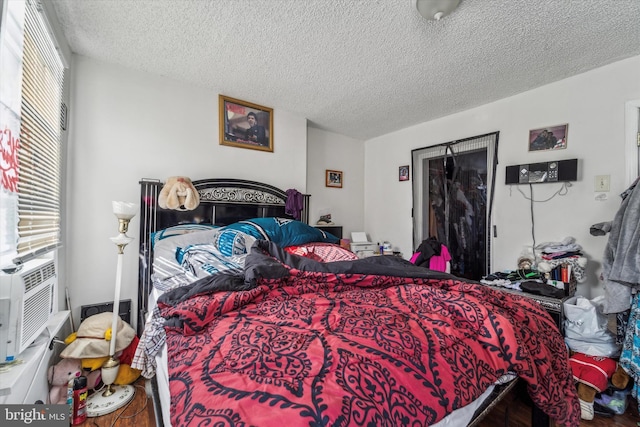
(515, 411)
(138, 413)
(512, 412)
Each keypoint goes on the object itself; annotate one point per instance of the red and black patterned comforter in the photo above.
(369, 342)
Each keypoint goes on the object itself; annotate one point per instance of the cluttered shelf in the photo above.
(550, 277)
(554, 271)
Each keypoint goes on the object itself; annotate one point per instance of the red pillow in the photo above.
(322, 252)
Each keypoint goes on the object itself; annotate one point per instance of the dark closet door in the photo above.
(452, 200)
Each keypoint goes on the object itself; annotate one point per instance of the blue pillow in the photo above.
(251, 228)
(233, 242)
(282, 231)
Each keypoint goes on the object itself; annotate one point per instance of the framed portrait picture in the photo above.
(333, 178)
(245, 125)
(403, 173)
(548, 138)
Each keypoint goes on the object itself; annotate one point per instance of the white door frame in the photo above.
(631, 140)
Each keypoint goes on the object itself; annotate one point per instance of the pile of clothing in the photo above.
(524, 280)
(621, 275)
(510, 279)
(554, 255)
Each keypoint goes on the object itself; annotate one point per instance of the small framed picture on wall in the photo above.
(403, 173)
(245, 125)
(333, 178)
(548, 138)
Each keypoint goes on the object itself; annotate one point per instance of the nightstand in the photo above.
(336, 230)
(554, 306)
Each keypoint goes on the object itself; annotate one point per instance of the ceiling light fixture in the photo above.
(435, 9)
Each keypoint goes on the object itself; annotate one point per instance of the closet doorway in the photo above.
(452, 199)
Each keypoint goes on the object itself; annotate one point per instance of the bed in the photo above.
(304, 333)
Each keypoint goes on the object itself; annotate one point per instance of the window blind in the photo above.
(39, 153)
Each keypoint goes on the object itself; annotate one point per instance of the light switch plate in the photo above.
(602, 183)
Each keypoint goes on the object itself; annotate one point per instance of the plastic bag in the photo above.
(585, 327)
(616, 400)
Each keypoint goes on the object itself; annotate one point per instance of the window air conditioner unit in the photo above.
(27, 301)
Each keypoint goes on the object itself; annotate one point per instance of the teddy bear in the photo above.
(91, 344)
(179, 193)
(593, 374)
(59, 375)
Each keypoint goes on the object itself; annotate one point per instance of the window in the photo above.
(31, 124)
(452, 196)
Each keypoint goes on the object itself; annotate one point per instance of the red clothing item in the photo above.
(593, 371)
(126, 357)
(439, 262)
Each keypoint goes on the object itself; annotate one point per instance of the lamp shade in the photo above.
(436, 9)
(124, 210)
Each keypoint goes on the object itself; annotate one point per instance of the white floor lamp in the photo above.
(114, 396)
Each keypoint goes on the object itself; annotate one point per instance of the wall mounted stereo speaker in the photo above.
(532, 173)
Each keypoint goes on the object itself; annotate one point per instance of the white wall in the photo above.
(127, 125)
(593, 104)
(328, 150)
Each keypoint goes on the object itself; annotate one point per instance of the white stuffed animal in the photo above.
(179, 193)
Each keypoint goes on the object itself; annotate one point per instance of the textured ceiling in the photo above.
(361, 68)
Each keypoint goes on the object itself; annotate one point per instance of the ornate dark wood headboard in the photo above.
(222, 202)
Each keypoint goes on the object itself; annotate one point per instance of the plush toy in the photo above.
(593, 374)
(91, 345)
(179, 193)
(60, 374)
(126, 374)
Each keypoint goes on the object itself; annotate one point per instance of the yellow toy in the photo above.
(126, 374)
(91, 345)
